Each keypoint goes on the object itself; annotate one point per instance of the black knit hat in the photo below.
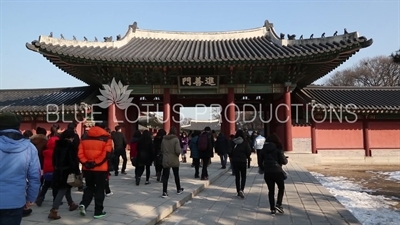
(68, 133)
(9, 121)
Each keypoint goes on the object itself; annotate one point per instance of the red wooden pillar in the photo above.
(115, 116)
(131, 121)
(175, 118)
(288, 117)
(167, 110)
(366, 136)
(231, 120)
(224, 124)
(313, 138)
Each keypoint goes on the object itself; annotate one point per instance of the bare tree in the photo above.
(396, 57)
(377, 71)
(216, 113)
(185, 121)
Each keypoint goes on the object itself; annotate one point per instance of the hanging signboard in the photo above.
(198, 81)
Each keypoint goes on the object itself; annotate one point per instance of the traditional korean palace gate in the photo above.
(255, 66)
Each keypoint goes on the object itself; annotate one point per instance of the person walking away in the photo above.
(171, 150)
(194, 153)
(205, 146)
(157, 152)
(39, 140)
(48, 171)
(231, 145)
(221, 148)
(110, 163)
(28, 134)
(134, 147)
(119, 150)
(145, 157)
(65, 162)
(274, 158)
(19, 171)
(94, 152)
(184, 145)
(258, 146)
(238, 154)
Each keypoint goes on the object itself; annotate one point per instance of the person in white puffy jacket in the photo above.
(258, 146)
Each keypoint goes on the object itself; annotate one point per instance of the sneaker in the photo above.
(279, 208)
(109, 194)
(124, 173)
(103, 214)
(241, 194)
(164, 195)
(179, 191)
(82, 210)
(147, 182)
(273, 212)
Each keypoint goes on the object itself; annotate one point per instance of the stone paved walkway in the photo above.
(306, 202)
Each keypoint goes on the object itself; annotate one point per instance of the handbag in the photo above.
(284, 175)
(74, 180)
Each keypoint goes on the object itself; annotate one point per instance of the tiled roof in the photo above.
(364, 99)
(27, 101)
(259, 45)
(200, 125)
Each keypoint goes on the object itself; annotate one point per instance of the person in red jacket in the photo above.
(133, 147)
(48, 170)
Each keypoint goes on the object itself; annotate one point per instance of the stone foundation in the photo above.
(302, 145)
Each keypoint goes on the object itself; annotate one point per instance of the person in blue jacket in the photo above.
(19, 171)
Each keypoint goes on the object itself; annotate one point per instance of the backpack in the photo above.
(202, 143)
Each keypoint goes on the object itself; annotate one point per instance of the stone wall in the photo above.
(302, 145)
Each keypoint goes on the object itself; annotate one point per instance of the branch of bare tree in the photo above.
(376, 71)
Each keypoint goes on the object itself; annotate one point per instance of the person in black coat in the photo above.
(221, 148)
(239, 155)
(145, 156)
(206, 155)
(274, 158)
(157, 151)
(120, 144)
(65, 162)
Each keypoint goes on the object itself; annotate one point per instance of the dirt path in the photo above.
(363, 176)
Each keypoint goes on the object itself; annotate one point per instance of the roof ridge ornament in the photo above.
(268, 25)
(133, 27)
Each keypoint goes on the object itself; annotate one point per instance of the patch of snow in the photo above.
(368, 209)
(393, 176)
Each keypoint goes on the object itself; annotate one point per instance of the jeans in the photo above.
(224, 159)
(240, 175)
(165, 178)
(11, 216)
(95, 185)
(204, 171)
(196, 163)
(271, 179)
(139, 170)
(60, 195)
(45, 188)
(118, 154)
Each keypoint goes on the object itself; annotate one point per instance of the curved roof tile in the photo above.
(150, 46)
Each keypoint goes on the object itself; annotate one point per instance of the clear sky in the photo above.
(24, 21)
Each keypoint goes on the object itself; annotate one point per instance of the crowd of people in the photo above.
(36, 163)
